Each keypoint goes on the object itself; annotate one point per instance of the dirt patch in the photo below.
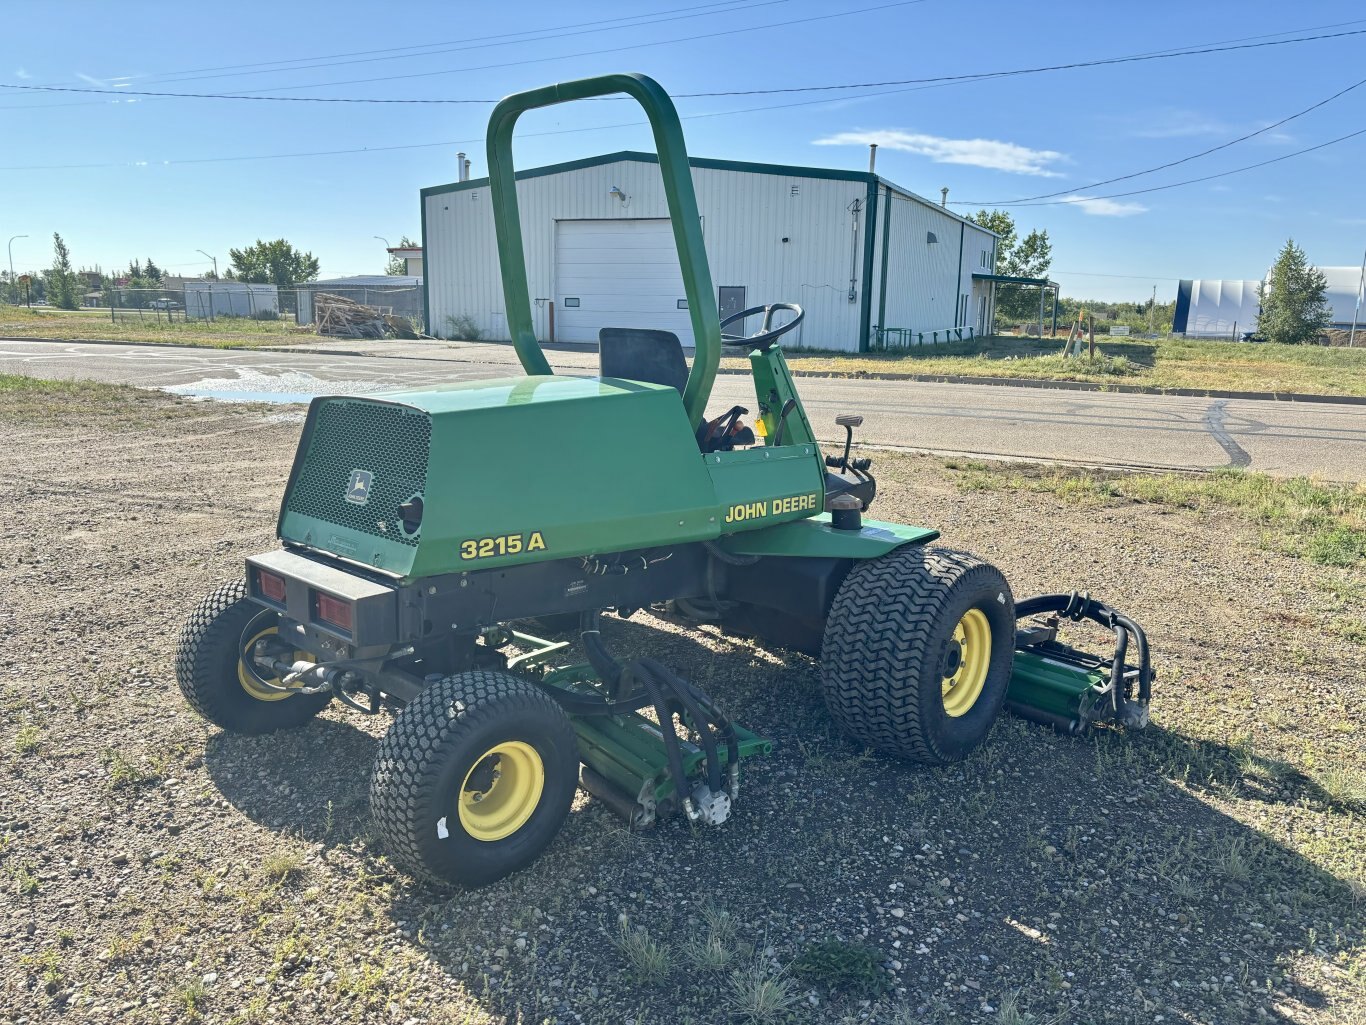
(1210, 870)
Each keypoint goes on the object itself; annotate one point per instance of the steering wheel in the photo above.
(764, 338)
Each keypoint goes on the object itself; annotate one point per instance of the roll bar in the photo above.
(678, 189)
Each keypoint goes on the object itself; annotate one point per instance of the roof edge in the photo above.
(711, 163)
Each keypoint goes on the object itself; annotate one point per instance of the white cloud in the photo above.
(1104, 207)
(91, 79)
(21, 73)
(989, 153)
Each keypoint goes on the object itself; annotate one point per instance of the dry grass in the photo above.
(1166, 363)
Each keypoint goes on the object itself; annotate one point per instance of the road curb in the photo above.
(859, 375)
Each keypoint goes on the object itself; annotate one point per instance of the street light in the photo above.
(10, 247)
(215, 263)
(382, 239)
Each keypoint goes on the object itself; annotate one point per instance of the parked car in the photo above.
(163, 304)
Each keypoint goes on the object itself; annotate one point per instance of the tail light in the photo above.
(333, 611)
(270, 587)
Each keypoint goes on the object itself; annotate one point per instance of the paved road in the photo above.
(1327, 440)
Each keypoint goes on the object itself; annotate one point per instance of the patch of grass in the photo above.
(191, 998)
(227, 332)
(650, 961)
(841, 966)
(1345, 785)
(27, 740)
(123, 772)
(758, 996)
(283, 867)
(1319, 521)
(26, 884)
(47, 967)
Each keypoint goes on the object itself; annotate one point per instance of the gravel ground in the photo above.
(1208, 870)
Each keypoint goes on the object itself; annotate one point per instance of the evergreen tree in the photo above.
(1295, 306)
(63, 287)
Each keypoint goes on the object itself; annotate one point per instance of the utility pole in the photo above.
(1152, 309)
(1356, 313)
(215, 263)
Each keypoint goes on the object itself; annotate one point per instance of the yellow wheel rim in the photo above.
(249, 682)
(501, 790)
(969, 657)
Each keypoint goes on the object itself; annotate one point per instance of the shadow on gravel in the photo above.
(1090, 879)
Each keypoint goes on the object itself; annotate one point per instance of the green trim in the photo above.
(882, 285)
(866, 293)
(426, 272)
(958, 281)
(790, 170)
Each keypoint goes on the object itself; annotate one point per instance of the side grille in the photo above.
(352, 438)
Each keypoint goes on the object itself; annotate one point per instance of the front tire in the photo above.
(213, 678)
(918, 652)
(474, 778)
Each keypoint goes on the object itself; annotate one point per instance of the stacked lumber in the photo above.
(340, 317)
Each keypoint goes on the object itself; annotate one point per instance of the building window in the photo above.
(571, 304)
(682, 304)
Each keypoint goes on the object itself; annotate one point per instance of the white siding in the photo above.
(784, 237)
(926, 281)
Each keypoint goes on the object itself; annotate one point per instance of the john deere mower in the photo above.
(443, 549)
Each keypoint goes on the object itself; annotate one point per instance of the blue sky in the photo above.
(128, 176)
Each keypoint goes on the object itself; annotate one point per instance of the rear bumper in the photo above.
(373, 605)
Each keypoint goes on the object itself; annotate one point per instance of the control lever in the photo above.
(848, 421)
(788, 407)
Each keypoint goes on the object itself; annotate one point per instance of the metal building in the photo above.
(1224, 309)
(871, 263)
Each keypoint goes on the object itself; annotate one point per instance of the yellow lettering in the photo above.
(536, 543)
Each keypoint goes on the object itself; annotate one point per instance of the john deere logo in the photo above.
(358, 490)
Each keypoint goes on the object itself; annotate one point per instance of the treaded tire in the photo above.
(886, 638)
(206, 664)
(435, 743)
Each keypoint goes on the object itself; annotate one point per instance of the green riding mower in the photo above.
(443, 549)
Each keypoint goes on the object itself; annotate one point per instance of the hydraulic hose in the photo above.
(682, 691)
(671, 751)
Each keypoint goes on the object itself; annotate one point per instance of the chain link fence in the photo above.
(220, 300)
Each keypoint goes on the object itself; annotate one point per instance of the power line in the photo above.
(932, 80)
(485, 42)
(430, 145)
(469, 43)
(1161, 167)
(1194, 181)
(256, 94)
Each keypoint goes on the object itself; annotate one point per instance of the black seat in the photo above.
(639, 354)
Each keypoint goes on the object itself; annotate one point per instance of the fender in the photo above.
(816, 538)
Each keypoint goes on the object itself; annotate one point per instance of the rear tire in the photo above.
(918, 650)
(211, 675)
(474, 778)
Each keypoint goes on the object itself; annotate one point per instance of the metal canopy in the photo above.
(1006, 279)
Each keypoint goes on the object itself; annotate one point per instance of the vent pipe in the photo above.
(872, 158)
(462, 167)
(944, 196)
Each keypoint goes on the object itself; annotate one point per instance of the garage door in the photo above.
(618, 273)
